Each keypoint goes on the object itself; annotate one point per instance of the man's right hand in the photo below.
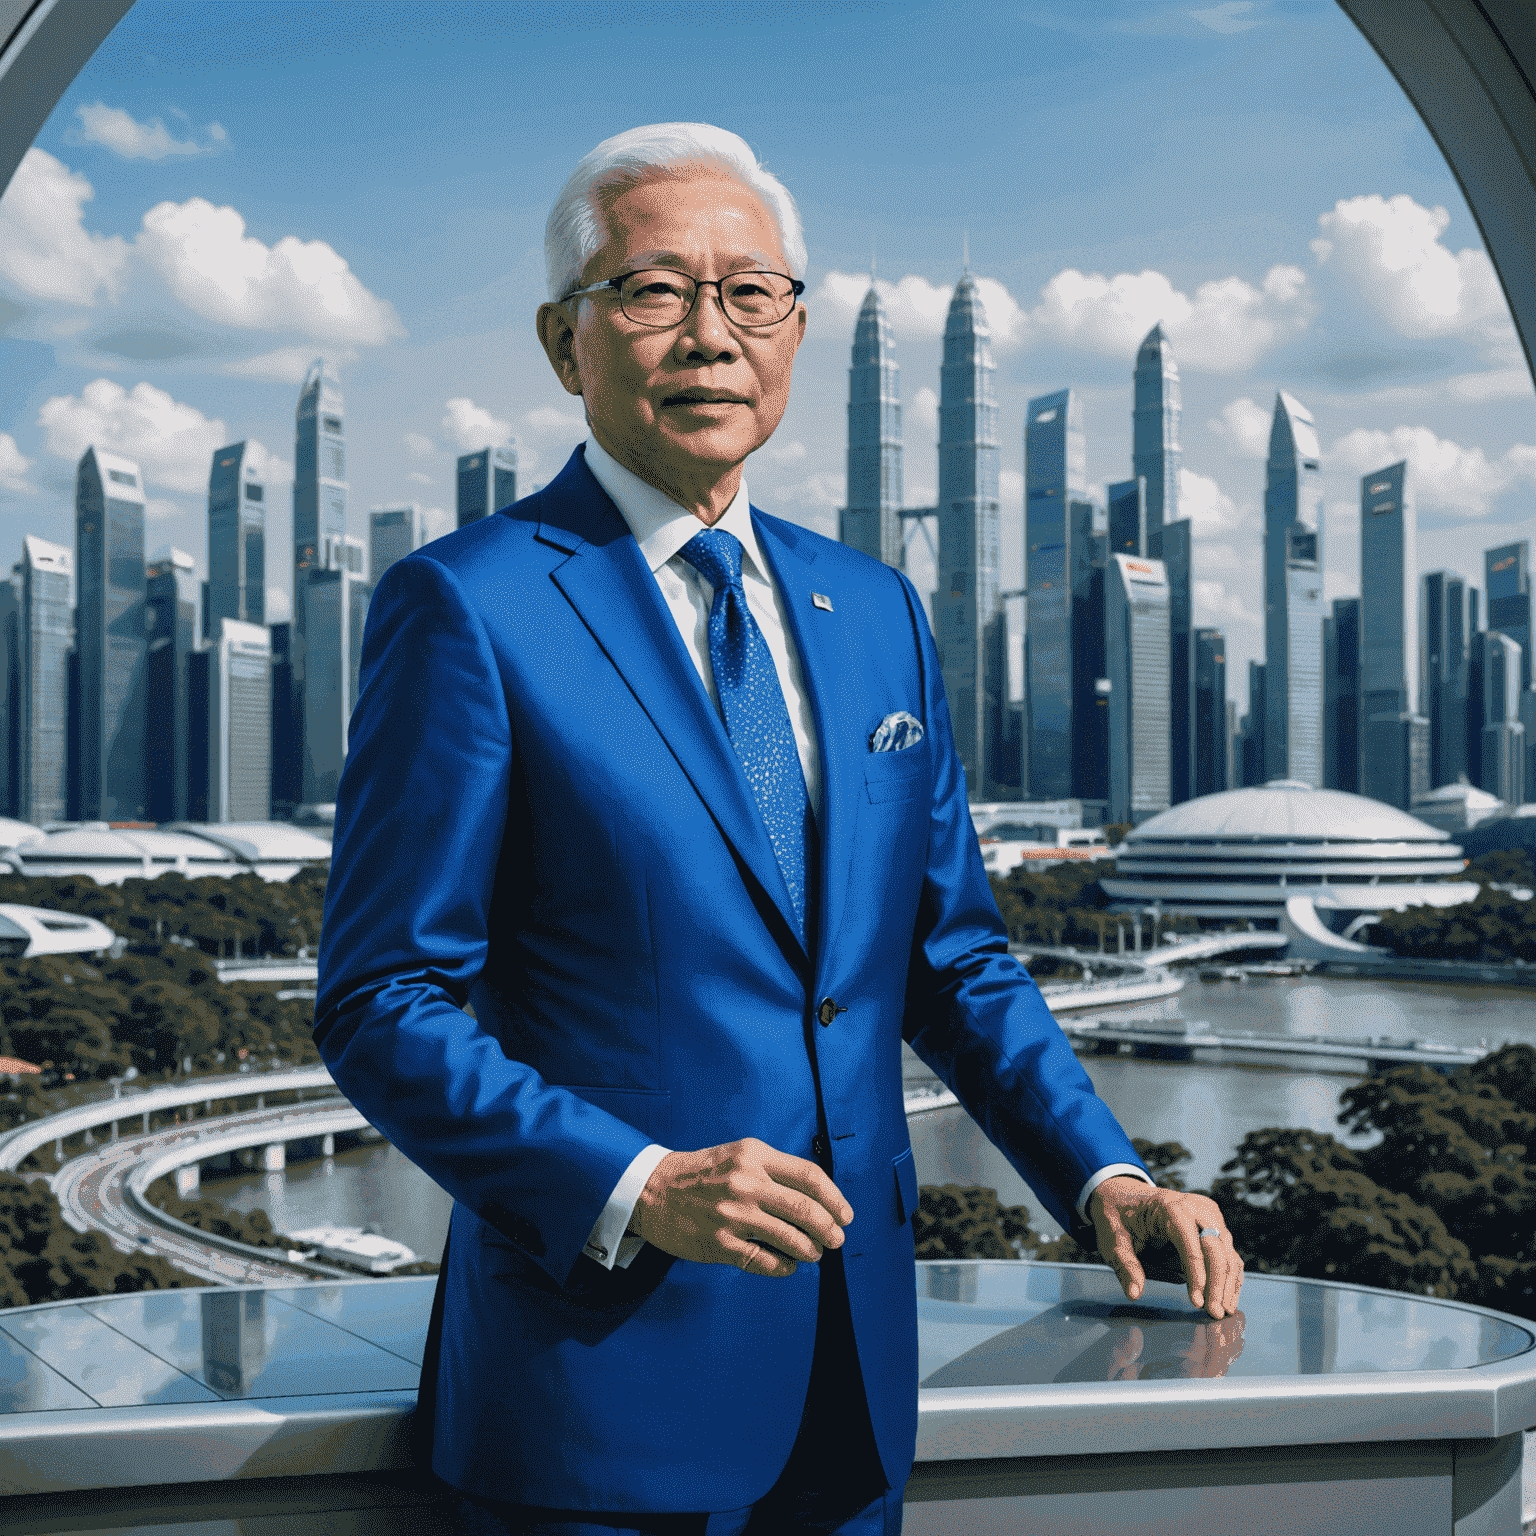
(742, 1204)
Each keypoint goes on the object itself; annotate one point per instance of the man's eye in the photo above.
(747, 288)
(657, 288)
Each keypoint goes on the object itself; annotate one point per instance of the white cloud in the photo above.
(1208, 506)
(791, 452)
(546, 418)
(821, 492)
(1229, 16)
(172, 443)
(285, 365)
(471, 426)
(436, 522)
(45, 250)
(1217, 608)
(1494, 384)
(206, 259)
(419, 444)
(1227, 325)
(1386, 252)
(1010, 489)
(279, 606)
(117, 130)
(922, 415)
(1245, 425)
(13, 466)
(1443, 475)
(158, 509)
(266, 464)
(417, 478)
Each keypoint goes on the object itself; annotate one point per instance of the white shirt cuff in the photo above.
(609, 1243)
(1107, 1172)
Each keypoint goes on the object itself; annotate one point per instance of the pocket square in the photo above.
(896, 731)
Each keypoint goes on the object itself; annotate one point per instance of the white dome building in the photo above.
(1247, 853)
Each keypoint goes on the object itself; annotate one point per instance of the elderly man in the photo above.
(665, 788)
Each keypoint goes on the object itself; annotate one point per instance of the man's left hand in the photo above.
(1128, 1214)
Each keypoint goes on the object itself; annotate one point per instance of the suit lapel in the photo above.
(821, 638)
(608, 583)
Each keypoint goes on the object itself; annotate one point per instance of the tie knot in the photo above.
(716, 555)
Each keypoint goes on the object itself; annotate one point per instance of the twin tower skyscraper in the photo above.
(1061, 743)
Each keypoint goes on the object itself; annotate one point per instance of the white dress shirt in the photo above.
(661, 528)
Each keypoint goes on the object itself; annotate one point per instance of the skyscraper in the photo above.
(1503, 745)
(1341, 696)
(1173, 545)
(42, 792)
(109, 634)
(1087, 557)
(1136, 656)
(287, 770)
(487, 482)
(233, 747)
(237, 540)
(966, 605)
(1127, 516)
(1211, 749)
(393, 533)
(1155, 452)
(1507, 575)
(1252, 729)
(10, 690)
(1293, 598)
(338, 605)
(319, 528)
(1055, 475)
(172, 629)
(1389, 635)
(1443, 673)
(872, 519)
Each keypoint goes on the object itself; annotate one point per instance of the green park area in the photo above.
(1442, 1204)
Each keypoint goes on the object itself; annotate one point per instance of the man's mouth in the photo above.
(703, 397)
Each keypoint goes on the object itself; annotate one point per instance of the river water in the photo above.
(1208, 1107)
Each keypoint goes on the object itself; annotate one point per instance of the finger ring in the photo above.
(1210, 1231)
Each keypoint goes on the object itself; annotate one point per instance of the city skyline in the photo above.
(1343, 283)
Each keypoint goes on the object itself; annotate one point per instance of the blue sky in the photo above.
(229, 190)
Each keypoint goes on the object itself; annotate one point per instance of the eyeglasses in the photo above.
(661, 298)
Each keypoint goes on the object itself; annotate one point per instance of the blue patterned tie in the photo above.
(756, 719)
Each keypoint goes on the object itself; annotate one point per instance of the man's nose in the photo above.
(705, 336)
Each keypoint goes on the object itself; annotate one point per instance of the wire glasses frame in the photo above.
(659, 298)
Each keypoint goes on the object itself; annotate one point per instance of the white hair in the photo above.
(575, 231)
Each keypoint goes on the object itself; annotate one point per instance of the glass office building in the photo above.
(1341, 696)
(1443, 673)
(1055, 475)
(1126, 516)
(1173, 545)
(1136, 656)
(46, 631)
(1507, 576)
(236, 718)
(966, 605)
(109, 637)
(237, 540)
(1155, 452)
(287, 754)
(338, 605)
(1251, 732)
(172, 629)
(393, 533)
(871, 521)
(1087, 557)
(10, 690)
(1212, 749)
(1389, 635)
(1293, 597)
(1503, 736)
(487, 482)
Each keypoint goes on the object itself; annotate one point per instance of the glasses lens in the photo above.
(757, 298)
(662, 298)
(657, 297)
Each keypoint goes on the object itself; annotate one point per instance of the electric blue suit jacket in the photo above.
(541, 816)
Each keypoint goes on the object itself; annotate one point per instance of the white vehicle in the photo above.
(352, 1245)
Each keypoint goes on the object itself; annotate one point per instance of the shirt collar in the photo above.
(659, 525)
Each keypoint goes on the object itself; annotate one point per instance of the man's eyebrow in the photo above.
(743, 260)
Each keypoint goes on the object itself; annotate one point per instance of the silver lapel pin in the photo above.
(821, 600)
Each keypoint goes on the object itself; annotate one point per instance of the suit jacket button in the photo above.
(828, 1010)
(819, 1147)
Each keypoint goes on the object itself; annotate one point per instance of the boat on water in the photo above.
(368, 1251)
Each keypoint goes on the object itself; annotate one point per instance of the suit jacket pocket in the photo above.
(896, 775)
(906, 1186)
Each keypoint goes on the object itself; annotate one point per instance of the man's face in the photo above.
(695, 400)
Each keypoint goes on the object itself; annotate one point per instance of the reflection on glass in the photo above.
(1000, 1324)
(234, 1338)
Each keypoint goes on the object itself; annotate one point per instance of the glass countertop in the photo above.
(1003, 1324)
(987, 1324)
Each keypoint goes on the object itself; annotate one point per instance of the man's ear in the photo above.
(558, 337)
